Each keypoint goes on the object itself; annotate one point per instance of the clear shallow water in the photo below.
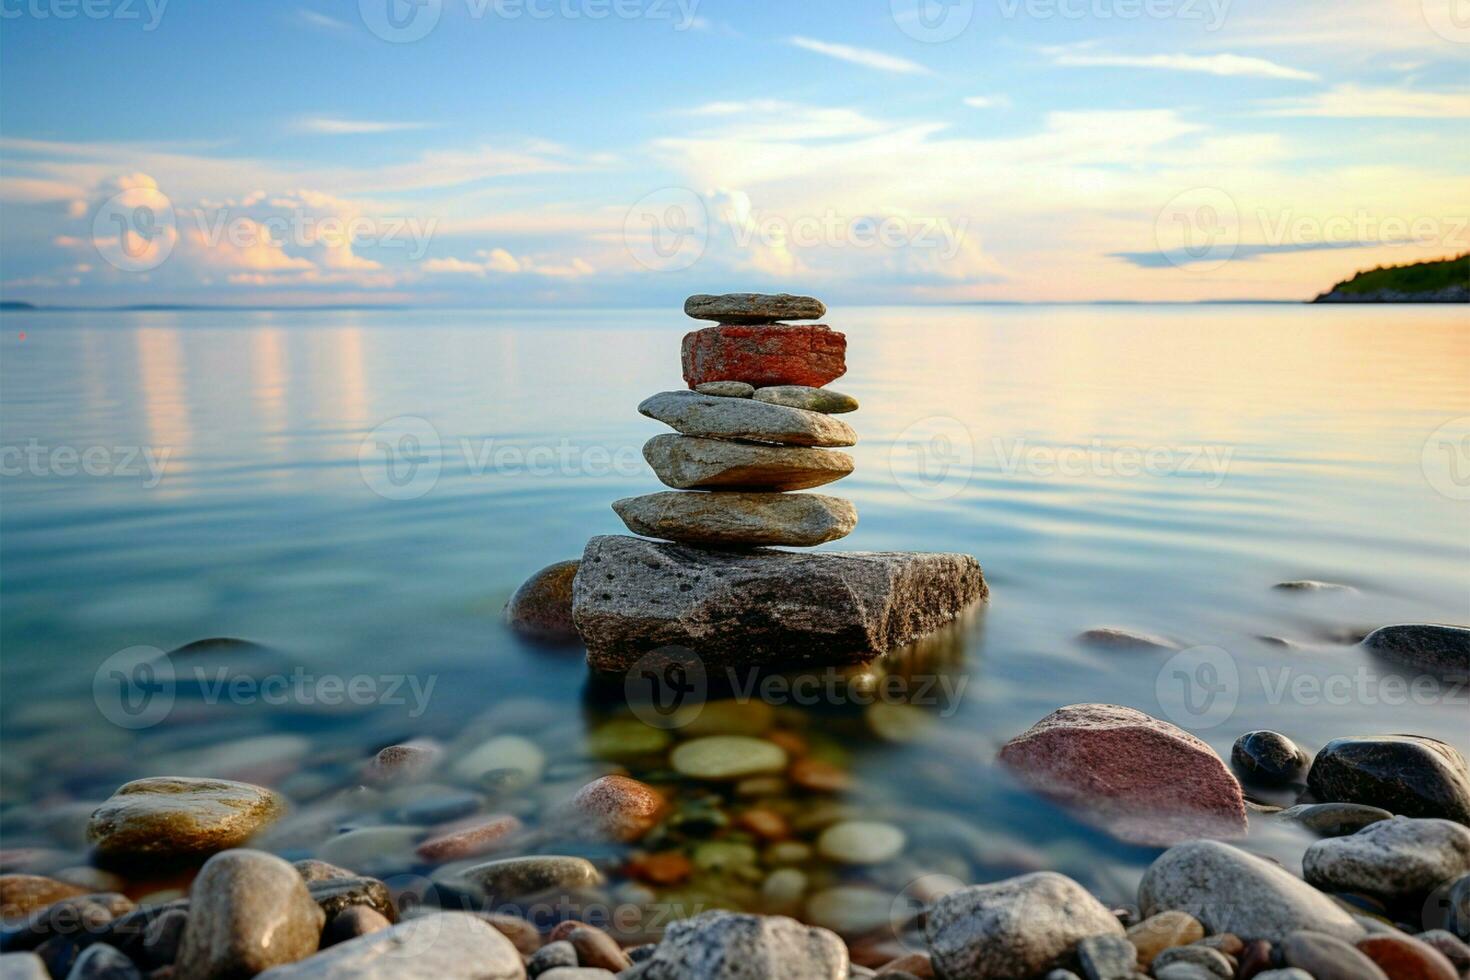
(1157, 468)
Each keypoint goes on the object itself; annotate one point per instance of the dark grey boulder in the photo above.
(1408, 775)
(1437, 649)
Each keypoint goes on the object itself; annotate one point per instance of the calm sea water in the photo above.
(1155, 468)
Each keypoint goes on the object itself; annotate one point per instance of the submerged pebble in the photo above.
(861, 842)
(727, 757)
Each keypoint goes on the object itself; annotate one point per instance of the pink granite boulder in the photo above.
(1141, 779)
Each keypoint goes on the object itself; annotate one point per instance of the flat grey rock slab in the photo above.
(763, 608)
(736, 519)
(713, 417)
(692, 463)
(753, 307)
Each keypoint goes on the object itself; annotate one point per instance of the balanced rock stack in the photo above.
(755, 424)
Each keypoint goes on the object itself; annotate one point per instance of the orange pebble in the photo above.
(668, 868)
(765, 824)
(819, 776)
(793, 743)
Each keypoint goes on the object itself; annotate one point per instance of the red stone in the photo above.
(469, 837)
(1406, 958)
(1141, 779)
(764, 355)
(618, 807)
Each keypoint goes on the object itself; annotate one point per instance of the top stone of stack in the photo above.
(754, 308)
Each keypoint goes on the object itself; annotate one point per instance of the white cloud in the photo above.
(774, 119)
(988, 101)
(1356, 102)
(29, 190)
(499, 260)
(321, 20)
(1210, 64)
(329, 126)
(860, 56)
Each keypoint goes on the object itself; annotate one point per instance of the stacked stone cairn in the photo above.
(757, 425)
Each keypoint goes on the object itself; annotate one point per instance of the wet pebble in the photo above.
(727, 944)
(541, 609)
(1443, 650)
(727, 757)
(1328, 958)
(618, 808)
(166, 818)
(352, 922)
(1334, 819)
(552, 955)
(23, 966)
(1230, 890)
(22, 894)
(103, 962)
(439, 946)
(597, 949)
(1405, 958)
(819, 776)
(80, 913)
(992, 931)
(731, 716)
(1268, 758)
(163, 936)
(1254, 958)
(511, 878)
(406, 762)
(1107, 958)
(861, 842)
(517, 760)
(248, 911)
(1399, 859)
(469, 838)
(1454, 949)
(1409, 775)
(311, 870)
(335, 895)
(1114, 638)
(626, 738)
(1163, 931)
(373, 850)
(1211, 960)
(783, 890)
(849, 910)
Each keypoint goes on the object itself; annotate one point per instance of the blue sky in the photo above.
(628, 152)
